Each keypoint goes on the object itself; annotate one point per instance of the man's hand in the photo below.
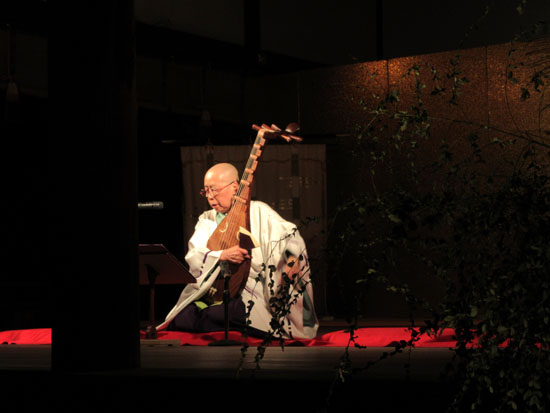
(235, 254)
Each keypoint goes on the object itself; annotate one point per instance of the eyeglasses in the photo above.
(214, 192)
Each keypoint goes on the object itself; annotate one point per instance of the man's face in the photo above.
(220, 191)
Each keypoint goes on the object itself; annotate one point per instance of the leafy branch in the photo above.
(472, 211)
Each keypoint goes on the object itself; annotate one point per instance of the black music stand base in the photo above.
(226, 341)
(158, 261)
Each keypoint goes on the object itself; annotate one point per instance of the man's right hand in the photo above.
(235, 254)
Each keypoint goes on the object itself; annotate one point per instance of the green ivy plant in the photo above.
(476, 221)
(283, 297)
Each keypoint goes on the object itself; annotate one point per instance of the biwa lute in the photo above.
(235, 227)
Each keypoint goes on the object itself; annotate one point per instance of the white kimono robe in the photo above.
(275, 236)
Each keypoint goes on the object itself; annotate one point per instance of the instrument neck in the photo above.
(251, 165)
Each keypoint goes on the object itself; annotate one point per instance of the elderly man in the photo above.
(281, 250)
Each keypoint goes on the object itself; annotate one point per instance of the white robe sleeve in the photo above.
(203, 265)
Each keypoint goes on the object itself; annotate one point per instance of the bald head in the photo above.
(222, 180)
(223, 172)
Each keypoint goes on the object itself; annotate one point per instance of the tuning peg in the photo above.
(264, 126)
(292, 127)
(276, 131)
(288, 138)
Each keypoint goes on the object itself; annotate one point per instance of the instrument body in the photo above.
(229, 233)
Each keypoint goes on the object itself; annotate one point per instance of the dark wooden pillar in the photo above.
(92, 173)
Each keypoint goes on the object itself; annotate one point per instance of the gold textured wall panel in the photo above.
(489, 106)
(333, 100)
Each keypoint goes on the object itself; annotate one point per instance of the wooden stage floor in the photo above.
(309, 376)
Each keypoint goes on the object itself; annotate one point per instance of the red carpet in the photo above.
(370, 337)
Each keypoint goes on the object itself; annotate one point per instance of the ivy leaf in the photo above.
(394, 218)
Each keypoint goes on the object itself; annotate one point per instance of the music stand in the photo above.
(159, 262)
(225, 341)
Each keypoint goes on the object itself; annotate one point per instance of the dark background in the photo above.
(246, 40)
